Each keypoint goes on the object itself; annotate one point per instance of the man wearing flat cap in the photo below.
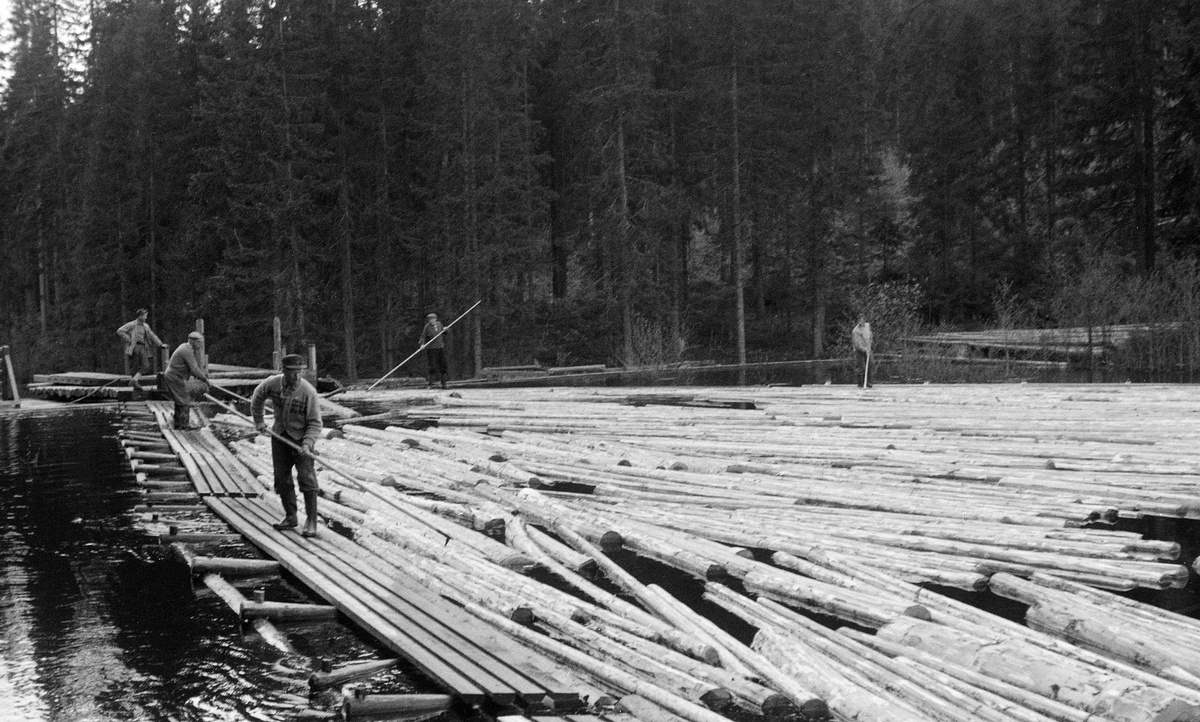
(140, 343)
(184, 365)
(433, 339)
(298, 419)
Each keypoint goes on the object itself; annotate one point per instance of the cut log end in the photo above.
(813, 709)
(611, 541)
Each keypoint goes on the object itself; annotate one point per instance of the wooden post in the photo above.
(277, 358)
(203, 355)
(12, 377)
(312, 363)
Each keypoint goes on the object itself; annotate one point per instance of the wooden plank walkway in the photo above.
(455, 650)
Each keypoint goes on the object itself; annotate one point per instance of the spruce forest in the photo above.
(626, 182)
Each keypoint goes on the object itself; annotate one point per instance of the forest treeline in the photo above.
(619, 181)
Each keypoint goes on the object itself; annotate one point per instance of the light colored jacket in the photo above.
(135, 333)
(183, 363)
(861, 337)
(297, 409)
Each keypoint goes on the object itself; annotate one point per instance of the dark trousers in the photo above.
(437, 363)
(178, 391)
(139, 360)
(284, 458)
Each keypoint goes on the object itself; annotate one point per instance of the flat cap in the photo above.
(294, 361)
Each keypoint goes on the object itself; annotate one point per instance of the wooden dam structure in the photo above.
(840, 545)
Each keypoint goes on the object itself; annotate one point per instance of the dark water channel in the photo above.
(98, 623)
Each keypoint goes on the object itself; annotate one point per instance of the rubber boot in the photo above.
(288, 499)
(310, 513)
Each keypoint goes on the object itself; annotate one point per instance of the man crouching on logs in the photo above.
(297, 417)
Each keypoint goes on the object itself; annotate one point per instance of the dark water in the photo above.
(97, 623)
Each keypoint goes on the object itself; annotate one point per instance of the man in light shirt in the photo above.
(140, 343)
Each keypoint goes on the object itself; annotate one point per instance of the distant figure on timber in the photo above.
(140, 343)
(860, 338)
(183, 366)
(435, 352)
(298, 418)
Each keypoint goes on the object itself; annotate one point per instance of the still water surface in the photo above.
(97, 625)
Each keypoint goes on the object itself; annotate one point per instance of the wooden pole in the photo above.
(12, 377)
(422, 348)
(277, 339)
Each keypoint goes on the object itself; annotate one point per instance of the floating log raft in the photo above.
(851, 506)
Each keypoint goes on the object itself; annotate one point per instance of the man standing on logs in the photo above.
(434, 334)
(140, 342)
(298, 419)
(184, 365)
(860, 338)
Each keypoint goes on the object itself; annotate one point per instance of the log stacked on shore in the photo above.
(849, 499)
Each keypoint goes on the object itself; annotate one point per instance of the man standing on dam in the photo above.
(297, 419)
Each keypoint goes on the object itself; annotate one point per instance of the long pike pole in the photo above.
(422, 348)
(365, 488)
(327, 464)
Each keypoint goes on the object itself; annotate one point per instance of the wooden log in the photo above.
(645, 710)
(748, 694)
(1087, 629)
(231, 596)
(287, 611)
(168, 508)
(1039, 671)
(392, 704)
(579, 563)
(875, 668)
(133, 453)
(846, 700)
(670, 609)
(677, 681)
(229, 566)
(198, 538)
(842, 603)
(1181, 626)
(624, 681)
(1043, 706)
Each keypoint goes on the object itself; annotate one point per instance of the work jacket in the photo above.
(297, 409)
(135, 333)
(183, 363)
(433, 328)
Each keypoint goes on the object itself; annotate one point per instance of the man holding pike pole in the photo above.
(433, 340)
(860, 339)
(297, 418)
(436, 335)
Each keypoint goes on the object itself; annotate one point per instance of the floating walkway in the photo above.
(456, 651)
